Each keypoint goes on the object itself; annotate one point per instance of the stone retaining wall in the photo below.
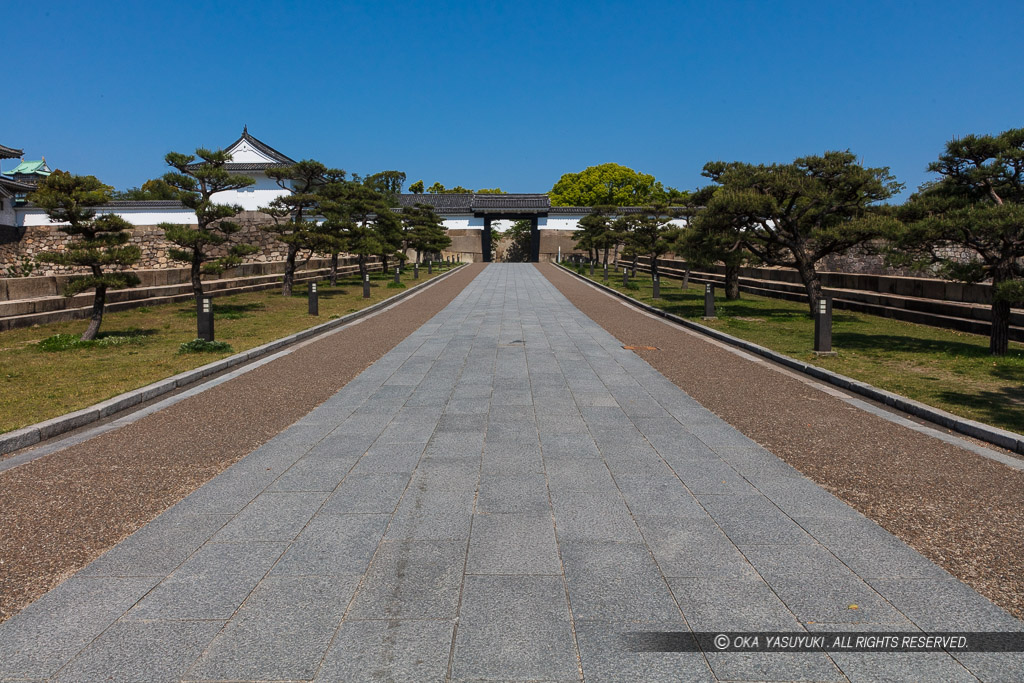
(18, 244)
(869, 261)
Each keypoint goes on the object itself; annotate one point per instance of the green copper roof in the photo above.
(30, 168)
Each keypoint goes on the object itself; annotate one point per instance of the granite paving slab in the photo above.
(500, 497)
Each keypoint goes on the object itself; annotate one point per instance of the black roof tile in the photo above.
(10, 152)
(484, 203)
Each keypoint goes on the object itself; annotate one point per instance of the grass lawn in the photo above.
(943, 368)
(36, 385)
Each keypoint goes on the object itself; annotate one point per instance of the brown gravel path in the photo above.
(961, 510)
(62, 511)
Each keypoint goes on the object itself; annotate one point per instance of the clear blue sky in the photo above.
(512, 95)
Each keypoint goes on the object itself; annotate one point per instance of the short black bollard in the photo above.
(823, 327)
(314, 299)
(415, 271)
(591, 267)
(625, 277)
(366, 286)
(398, 275)
(204, 319)
(656, 287)
(430, 267)
(709, 301)
(606, 273)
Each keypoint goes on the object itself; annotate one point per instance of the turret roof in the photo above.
(10, 152)
(274, 157)
(30, 168)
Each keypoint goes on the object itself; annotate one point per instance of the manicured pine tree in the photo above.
(976, 206)
(794, 215)
(99, 243)
(715, 235)
(291, 212)
(196, 184)
(622, 229)
(387, 185)
(595, 231)
(350, 210)
(653, 235)
(424, 230)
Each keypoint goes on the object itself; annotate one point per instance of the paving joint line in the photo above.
(1011, 441)
(247, 361)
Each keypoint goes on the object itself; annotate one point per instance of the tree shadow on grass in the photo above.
(859, 341)
(332, 292)
(132, 332)
(226, 310)
(1001, 407)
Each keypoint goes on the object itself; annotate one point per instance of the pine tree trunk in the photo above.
(812, 283)
(999, 339)
(362, 268)
(289, 270)
(99, 300)
(633, 271)
(334, 270)
(732, 282)
(606, 256)
(686, 277)
(197, 277)
(384, 263)
(654, 267)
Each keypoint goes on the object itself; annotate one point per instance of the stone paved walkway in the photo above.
(497, 499)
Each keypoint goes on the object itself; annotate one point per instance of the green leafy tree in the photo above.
(197, 183)
(611, 184)
(424, 230)
(495, 241)
(156, 189)
(491, 190)
(978, 205)
(387, 183)
(292, 212)
(518, 237)
(794, 215)
(99, 243)
(438, 188)
(417, 187)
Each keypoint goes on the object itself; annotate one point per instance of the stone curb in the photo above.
(1011, 441)
(41, 431)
